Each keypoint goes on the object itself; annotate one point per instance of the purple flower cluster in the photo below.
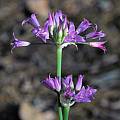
(62, 31)
(68, 91)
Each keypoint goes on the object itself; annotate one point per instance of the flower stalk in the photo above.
(59, 66)
(65, 111)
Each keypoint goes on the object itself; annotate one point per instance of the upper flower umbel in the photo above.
(63, 32)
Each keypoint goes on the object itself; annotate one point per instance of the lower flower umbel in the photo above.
(70, 93)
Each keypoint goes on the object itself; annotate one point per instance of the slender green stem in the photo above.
(59, 61)
(60, 109)
(65, 111)
(59, 64)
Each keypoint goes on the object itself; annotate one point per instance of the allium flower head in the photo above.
(68, 92)
(63, 32)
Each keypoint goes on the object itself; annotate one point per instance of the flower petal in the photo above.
(85, 95)
(18, 43)
(57, 84)
(71, 27)
(84, 25)
(98, 45)
(52, 83)
(32, 20)
(41, 33)
(79, 39)
(96, 34)
(68, 82)
(68, 94)
(79, 83)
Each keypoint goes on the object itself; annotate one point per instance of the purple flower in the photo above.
(18, 43)
(68, 82)
(52, 83)
(84, 25)
(98, 45)
(73, 35)
(63, 32)
(79, 83)
(95, 34)
(76, 37)
(85, 95)
(38, 31)
(80, 93)
(68, 93)
(32, 20)
(57, 26)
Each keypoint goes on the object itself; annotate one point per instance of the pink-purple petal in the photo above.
(71, 27)
(84, 25)
(18, 43)
(99, 45)
(32, 21)
(79, 83)
(68, 82)
(52, 83)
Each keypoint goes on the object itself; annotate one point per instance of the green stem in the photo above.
(59, 61)
(65, 111)
(59, 64)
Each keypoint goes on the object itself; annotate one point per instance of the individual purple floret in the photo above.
(84, 25)
(95, 34)
(98, 45)
(79, 93)
(52, 83)
(18, 43)
(38, 31)
(68, 82)
(32, 20)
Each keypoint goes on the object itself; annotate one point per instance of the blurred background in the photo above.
(22, 97)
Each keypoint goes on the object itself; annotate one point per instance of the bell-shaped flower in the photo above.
(52, 83)
(18, 43)
(32, 20)
(84, 25)
(95, 34)
(38, 31)
(98, 45)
